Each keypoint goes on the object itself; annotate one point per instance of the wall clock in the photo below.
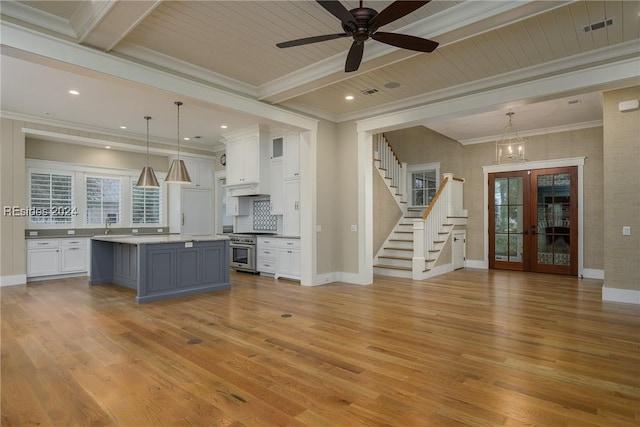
(223, 160)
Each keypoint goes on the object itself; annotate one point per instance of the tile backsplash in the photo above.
(262, 218)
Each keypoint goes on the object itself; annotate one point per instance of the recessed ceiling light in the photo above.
(348, 97)
(74, 92)
(392, 85)
(223, 126)
(108, 147)
(123, 127)
(186, 138)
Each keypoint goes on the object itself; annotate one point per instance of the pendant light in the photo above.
(510, 148)
(147, 176)
(178, 171)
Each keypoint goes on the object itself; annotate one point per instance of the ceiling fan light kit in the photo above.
(362, 23)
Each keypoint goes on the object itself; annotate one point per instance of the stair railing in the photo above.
(393, 168)
(446, 203)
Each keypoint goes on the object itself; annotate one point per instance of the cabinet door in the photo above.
(292, 156)
(237, 206)
(235, 162)
(197, 217)
(73, 259)
(277, 187)
(43, 262)
(252, 160)
(291, 220)
(294, 264)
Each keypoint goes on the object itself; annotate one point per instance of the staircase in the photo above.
(413, 247)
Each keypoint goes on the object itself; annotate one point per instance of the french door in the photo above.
(533, 220)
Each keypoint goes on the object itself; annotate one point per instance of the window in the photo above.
(146, 205)
(103, 197)
(423, 183)
(51, 198)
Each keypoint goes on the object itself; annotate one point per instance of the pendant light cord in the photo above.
(178, 103)
(147, 118)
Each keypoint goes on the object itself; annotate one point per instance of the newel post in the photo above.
(418, 249)
(448, 194)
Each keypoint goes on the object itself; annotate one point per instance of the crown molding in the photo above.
(536, 132)
(108, 133)
(137, 53)
(38, 18)
(605, 55)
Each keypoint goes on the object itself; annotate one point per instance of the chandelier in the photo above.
(510, 148)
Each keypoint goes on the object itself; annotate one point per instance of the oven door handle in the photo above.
(233, 245)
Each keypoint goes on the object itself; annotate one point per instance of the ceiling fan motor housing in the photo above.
(362, 31)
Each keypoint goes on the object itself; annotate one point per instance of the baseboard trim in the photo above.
(17, 279)
(592, 273)
(337, 276)
(474, 263)
(630, 296)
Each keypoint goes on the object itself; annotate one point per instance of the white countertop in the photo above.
(171, 238)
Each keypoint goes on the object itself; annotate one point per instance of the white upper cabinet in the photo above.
(200, 172)
(292, 156)
(248, 165)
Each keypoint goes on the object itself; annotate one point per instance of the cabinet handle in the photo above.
(182, 219)
(74, 249)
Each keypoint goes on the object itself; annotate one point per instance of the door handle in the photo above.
(455, 239)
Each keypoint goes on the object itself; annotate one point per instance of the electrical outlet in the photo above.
(354, 227)
(71, 231)
(134, 231)
(159, 230)
(626, 230)
(33, 233)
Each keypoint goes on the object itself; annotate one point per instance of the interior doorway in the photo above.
(533, 220)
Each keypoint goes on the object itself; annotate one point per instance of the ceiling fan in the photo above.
(362, 23)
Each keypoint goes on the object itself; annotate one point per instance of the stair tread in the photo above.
(400, 240)
(426, 269)
(398, 249)
(393, 267)
(404, 232)
(434, 250)
(403, 258)
(438, 241)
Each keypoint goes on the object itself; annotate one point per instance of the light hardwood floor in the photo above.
(471, 347)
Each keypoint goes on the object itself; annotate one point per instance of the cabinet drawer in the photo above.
(267, 242)
(268, 252)
(265, 266)
(289, 243)
(42, 243)
(73, 242)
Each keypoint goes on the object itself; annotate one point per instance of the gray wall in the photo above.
(622, 191)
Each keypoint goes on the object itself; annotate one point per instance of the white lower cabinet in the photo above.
(73, 255)
(288, 259)
(50, 257)
(266, 255)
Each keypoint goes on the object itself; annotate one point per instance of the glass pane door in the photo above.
(508, 222)
(555, 246)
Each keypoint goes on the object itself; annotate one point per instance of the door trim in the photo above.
(541, 164)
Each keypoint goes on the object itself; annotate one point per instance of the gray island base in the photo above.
(161, 267)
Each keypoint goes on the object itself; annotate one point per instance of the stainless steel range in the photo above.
(243, 251)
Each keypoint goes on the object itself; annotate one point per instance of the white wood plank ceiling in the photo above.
(231, 44)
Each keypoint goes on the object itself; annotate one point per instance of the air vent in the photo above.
(598, 25)
(369, 91)
(573, 101)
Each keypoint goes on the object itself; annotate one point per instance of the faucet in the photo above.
(107, 230)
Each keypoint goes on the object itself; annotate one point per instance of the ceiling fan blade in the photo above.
(339, 11)
(406, 42)
(308, 40)
(395, 10)
(354, 57)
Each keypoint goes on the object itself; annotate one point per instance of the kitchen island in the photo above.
(161, 267)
